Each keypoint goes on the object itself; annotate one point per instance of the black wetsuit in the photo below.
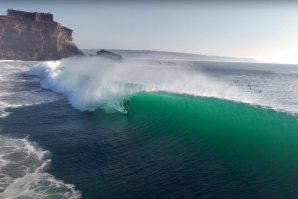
(125, 105)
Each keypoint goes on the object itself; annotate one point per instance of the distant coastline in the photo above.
(165, 55)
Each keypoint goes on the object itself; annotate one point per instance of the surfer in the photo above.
(125, 105)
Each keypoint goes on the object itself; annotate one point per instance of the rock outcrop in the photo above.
(34, 36)
(109, 55)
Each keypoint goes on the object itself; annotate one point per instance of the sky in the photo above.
(267, 32)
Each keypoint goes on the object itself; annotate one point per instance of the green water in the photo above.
(179, 146)
(236, 133)
(168, 146)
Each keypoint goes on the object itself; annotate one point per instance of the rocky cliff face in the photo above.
(24, 38)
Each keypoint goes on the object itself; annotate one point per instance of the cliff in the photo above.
(34, 36)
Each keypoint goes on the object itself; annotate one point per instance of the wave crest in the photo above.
(90, 83)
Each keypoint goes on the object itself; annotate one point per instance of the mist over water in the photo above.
(93, 82)
(90, 83)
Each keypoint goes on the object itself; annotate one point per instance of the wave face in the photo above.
(244, 146)
(169, 146)
(90, 83)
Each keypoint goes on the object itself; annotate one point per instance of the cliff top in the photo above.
(33, 16)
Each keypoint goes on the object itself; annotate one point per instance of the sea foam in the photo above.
(22, 172)
(23, 163)
(93, 82)
(16, 89)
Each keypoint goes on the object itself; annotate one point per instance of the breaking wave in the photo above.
(90, 83)
(17, 90)
(23, 163)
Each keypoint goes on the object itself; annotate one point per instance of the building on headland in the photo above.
(34, 16)
(34, 36)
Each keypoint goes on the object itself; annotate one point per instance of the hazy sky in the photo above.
(265, 31)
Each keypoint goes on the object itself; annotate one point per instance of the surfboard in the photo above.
(118, 106)
(119, 109)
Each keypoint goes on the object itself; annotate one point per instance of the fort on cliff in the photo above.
(34, 36)
(34, 16)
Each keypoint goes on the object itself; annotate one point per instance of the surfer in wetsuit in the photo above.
(125, 105)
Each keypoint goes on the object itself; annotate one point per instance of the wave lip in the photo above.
(91, 83)
(22, 172)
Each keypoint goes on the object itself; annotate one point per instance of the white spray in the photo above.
(92, 82)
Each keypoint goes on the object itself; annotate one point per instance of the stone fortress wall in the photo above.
(33, 16)
(36, 17)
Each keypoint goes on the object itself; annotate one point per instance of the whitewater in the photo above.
(91, 83)
(23, 163)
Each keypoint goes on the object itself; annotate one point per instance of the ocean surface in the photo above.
(193, 129)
